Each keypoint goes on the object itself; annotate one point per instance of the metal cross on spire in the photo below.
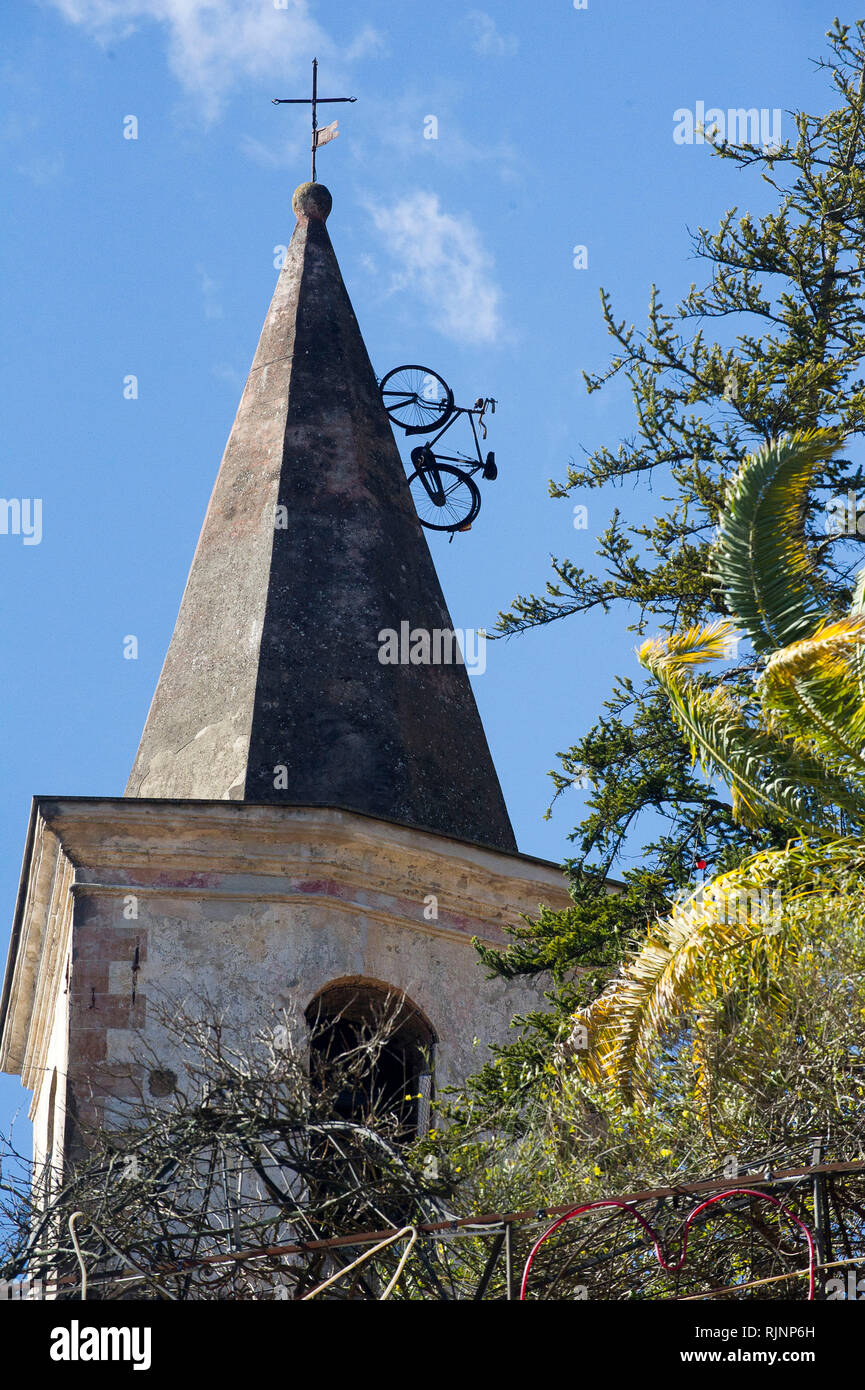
(328, 132)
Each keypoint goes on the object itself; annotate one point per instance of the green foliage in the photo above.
(771, 1072)
(786, 292)
(800, 759)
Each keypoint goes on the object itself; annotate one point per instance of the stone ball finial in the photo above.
(312, 200)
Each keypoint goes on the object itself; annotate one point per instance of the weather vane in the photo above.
(327, 132)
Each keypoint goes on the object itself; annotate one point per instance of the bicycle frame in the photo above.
(452, 418)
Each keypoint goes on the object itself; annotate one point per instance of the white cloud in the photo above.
(215, 44)
(285, 154)
(394, 125)
(367, 41)
(41, 169)
(209, 294)
(487, 38)
(223, 371)
(23, 131)
(441, 258)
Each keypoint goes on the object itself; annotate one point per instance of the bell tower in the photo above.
(303, 821)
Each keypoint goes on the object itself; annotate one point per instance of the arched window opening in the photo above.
(374, 1048)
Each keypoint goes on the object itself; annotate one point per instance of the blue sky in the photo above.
(154, 257)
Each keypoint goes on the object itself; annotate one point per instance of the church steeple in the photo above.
(273, 689)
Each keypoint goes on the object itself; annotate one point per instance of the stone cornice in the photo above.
(36, 954)
(230, 837)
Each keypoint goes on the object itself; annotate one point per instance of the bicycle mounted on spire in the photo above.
(443, 489)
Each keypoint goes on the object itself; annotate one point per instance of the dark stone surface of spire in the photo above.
(272, 689)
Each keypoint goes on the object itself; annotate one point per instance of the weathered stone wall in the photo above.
(253, 909)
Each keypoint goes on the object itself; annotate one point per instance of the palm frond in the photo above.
(730, 935)
(810, 690)
(857, 610)
(761, 558)
(691, 647)
(802, 760)
(767, 775)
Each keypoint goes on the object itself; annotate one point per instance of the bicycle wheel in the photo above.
(445, 498)
(416, 399)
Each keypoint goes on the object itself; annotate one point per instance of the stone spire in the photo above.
(272, 689)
